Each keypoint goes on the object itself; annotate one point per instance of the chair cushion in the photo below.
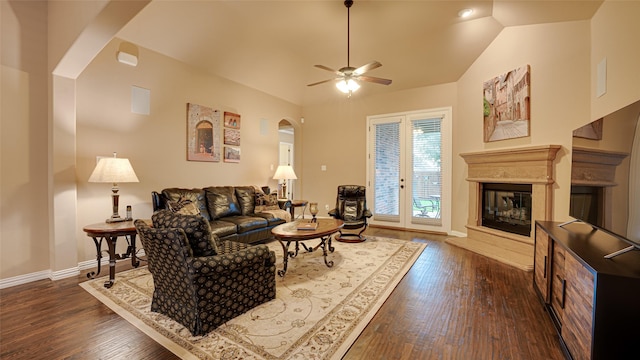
(352, 210)
(222, 228)
(275, 217)
(222, 201)
(228, 247)
(247, 223)
(196, 227)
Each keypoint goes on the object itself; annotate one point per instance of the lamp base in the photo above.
(115, 219)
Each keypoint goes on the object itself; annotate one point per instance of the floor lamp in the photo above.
(114, 170)
(285, 173)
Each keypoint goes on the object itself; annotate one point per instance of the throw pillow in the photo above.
(197, 196)
(183, 206)
(266, 202)
(189, 209)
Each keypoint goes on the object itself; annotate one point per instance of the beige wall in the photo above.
(614, 36)
(156, 143)
(24, 230)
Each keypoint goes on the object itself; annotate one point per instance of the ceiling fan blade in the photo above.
(320, 82)
(376, 80)
(328, 69)
(367, 67)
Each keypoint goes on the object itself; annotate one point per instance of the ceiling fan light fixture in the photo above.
(347, 86)
(465, 13)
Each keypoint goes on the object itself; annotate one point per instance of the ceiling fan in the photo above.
(348, 76)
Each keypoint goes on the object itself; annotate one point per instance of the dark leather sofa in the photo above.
(230, 210)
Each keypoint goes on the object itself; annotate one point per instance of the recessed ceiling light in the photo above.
(465, 13)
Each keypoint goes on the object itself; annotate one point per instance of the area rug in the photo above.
(318, 312)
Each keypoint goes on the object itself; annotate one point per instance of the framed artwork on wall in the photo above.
(231, 120)
(231, 154)
(506, 108)
(203, 133)
(232, 137)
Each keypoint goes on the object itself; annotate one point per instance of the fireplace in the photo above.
(525, 180)
(507, 207)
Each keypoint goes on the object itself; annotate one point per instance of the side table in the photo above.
(110, 232)
(294, 205)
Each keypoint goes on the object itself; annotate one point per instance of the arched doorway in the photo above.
(286, 137)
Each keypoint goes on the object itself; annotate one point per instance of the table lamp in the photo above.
(114, 170)
(313, 209)
(284, 172)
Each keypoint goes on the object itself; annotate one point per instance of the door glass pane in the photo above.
(426, 167)
(387, 169)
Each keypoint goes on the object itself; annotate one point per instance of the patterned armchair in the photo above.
(351, 207)
(202, 291)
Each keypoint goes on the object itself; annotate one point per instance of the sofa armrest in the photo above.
(158, 201)
(258, 255)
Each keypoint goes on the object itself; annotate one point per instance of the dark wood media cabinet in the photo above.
(594, 302)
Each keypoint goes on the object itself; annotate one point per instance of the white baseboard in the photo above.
(63, 274)
(23, 279)
(55, 275)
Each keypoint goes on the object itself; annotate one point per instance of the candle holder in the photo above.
(313, 209)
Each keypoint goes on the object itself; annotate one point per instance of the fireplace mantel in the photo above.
(527, 165)
(524, 165)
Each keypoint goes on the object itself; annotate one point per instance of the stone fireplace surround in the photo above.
(524, 165)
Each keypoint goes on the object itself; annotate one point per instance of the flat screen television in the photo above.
(605, 175)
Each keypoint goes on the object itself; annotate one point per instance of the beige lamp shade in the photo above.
(284, 172)
(113, 170)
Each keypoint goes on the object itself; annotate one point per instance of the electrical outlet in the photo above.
(326, 206)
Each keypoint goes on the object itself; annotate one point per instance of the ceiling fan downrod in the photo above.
(348, 4)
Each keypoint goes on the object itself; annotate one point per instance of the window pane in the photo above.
(387, 169)
(426, 166)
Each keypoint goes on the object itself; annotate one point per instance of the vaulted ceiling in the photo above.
(272, 45)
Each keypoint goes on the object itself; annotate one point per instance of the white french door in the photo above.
(409, 170)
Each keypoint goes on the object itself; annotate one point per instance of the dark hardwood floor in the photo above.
(453, 304)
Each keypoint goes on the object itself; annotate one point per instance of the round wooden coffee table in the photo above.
(290, 232)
